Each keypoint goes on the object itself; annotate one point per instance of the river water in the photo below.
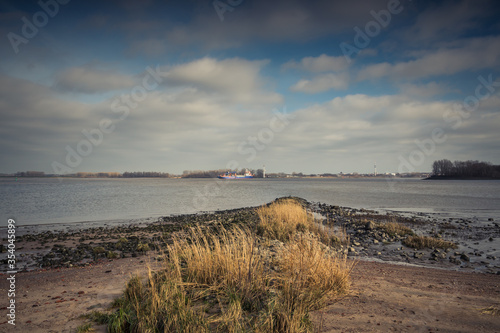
(46, 201)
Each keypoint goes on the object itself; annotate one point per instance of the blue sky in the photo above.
(305, 86)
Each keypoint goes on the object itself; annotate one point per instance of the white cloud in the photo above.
(190, 127)
(212, 107)
(365, 124)
(424, 90)
(322, 83)
(322, 63)
(333, 69)
(235, 79)
(89, 80)
(472, 54)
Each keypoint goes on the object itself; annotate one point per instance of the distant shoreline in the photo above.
(345, 176)
(459, 178)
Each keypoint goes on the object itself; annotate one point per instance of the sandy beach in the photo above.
(384, 298)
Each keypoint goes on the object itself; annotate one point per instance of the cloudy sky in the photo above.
(306, 86)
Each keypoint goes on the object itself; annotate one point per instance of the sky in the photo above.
(297, 86)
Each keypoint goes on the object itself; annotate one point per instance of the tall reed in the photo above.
(229, 280)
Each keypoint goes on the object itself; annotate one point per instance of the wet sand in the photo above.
(384, 298)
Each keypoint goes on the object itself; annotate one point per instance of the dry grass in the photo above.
(309, 273)
(227, 281)
(85, 328)
(224, 260)
(490, 310)
(396, 228)
(422, 242)
(283, 219)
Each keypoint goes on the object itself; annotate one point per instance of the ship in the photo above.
(233, 175)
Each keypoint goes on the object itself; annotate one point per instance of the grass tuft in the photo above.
(491, 310)
(143, 247)
(232, 280)
(85, 328)
(97, 317)
(396, 229)
(281, 220)
(422, 242)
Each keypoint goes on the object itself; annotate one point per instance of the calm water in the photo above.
(47, 201)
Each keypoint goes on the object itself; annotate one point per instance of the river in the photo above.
(48, 201)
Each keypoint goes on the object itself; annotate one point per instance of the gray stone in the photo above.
(464, 257)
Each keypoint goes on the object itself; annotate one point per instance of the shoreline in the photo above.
(459, 178)
(478, 243)
(391, 288)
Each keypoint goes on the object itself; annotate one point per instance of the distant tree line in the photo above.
(143, 174)
(127, 174)
(135, 174)
(202, 174)
(259, 173)
(465, 169)
(30, 174)
(98, 174)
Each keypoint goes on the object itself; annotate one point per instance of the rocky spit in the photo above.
(478, 242)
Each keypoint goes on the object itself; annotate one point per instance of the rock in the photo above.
(375, 241)
(370, 225)
(464, 257)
